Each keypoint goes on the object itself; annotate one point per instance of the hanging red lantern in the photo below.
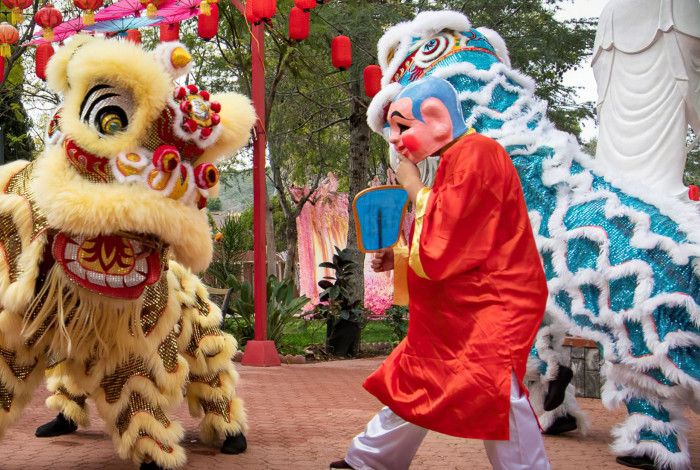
(299, 24)
(208, 25)
(373, 80)
(341, 52)
(48, 18)
(88, 7)
(264, 9)
(134, 35)
(169, 32)
(43, 53)
(306, 5)
(8, 36)
(16, 7)
(693, 193)
(250, 16)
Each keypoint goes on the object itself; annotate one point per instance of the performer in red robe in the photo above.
(477, 294)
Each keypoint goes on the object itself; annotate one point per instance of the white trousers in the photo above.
(390, 443)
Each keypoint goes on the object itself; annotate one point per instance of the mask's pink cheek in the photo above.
(410, 142)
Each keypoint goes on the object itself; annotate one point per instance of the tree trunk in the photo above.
(270, 240)
(290, 268)
(358, 174)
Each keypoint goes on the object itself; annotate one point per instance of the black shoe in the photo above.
(643, 462)
(234, 444)
(150, 466)
(340, 464)
(561, 425)
(58, 427)
(557, 388)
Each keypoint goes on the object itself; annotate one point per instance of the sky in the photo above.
(583, 76)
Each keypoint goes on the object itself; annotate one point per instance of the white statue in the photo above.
(646, 61)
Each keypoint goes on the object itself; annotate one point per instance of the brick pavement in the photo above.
(301, 417)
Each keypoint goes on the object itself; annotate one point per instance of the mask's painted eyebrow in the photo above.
(398, 114)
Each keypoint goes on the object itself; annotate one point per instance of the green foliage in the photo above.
(214, 204)
(283, 306)
(337, 295)
(14, 121)
(229, 251)
(397, 318)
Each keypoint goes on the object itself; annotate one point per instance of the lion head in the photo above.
(129, 163)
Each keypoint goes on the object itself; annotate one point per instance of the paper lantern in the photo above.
(208, 25)
(341, 52)
(372, 76)
(693, 193)
(134, 35)
(8, 36)
(169, 32)
(299, 24)
(43, 53)
(264, 9)
(88, 7)
(250, 16)
(48, 18)
(305, 5)
(16, 7)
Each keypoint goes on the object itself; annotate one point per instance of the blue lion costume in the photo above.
(621, 264)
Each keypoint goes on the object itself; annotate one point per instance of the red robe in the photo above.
(474, 319)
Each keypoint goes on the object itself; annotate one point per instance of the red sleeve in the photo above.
(461, 215)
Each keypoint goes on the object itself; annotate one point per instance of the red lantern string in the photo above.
(373, 80)
(299, 24)
(264, 9)
(43, 53)
(8, 36)
(341, 52)
(208, 25)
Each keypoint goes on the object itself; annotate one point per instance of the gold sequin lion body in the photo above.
(100, 236)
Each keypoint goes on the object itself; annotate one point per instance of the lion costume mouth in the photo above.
(113, 265)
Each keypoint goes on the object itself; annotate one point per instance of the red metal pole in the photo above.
(259, 195)
(259, 351)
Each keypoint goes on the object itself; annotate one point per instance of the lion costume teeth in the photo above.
(99, 239)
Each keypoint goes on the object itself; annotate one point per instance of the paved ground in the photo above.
(302, 417)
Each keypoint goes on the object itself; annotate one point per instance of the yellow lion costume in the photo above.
(100, 236)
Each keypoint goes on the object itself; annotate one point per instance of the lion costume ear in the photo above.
(498, 44)
(237, 119)
(57, 68)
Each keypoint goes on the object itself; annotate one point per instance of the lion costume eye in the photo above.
(106, 109)
(431, 49)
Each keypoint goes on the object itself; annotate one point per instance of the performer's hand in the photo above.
(383, 260)
(409, 176)
(407, 172)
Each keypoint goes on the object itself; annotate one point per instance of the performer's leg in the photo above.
(70, 387)
(388, 443)
(132, 400)
(21, 370)
(209, 352)
(653, 435)
(525, 449)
